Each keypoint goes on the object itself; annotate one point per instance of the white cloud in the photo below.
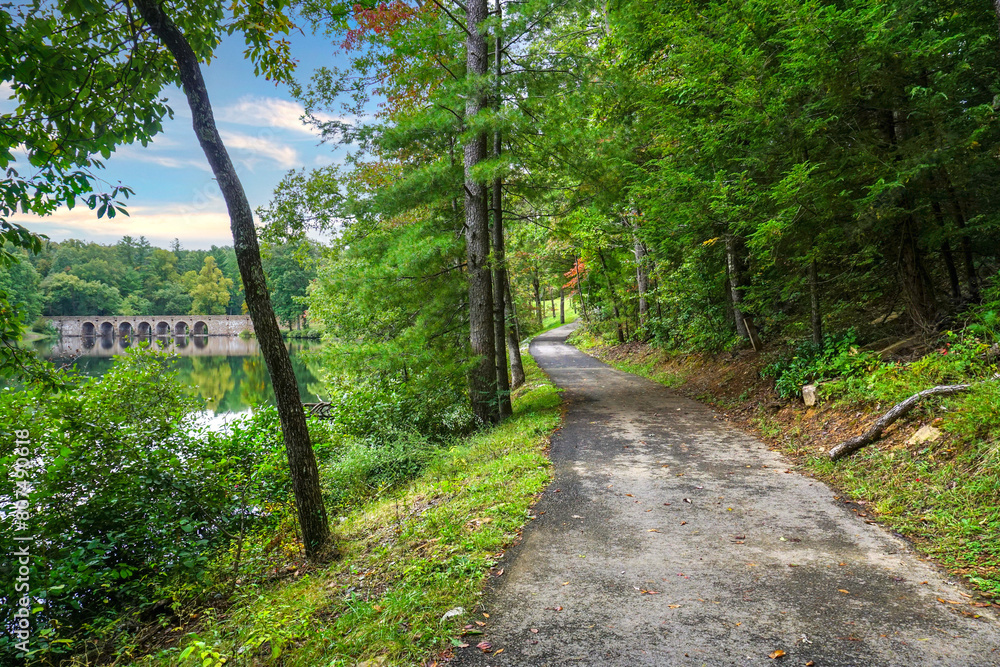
(271, 112)
(150, 155)
(196, 226)
(266, 112)
(252, 147)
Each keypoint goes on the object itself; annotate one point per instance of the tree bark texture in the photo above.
(735, 274)
(483, 376)
(499, 258)
(538, 297)
(816, 315)
(641, 274)
(914, 279)
(886, 420)
(996, 10)
(513, 338)
(562, 306)
(946, 251)
(301, 458)
(499, 300)
(614, 298)
(970, 267)
(949, 263)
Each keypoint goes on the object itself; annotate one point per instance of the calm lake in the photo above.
(227, 371)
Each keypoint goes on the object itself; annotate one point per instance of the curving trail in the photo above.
(670, 538)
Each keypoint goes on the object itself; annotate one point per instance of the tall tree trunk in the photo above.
(996, 9)
(816, 316)
(562, 306)
(483, 376)
(614, 298)
(970, 266)
(641, 274)
(301, 459)
(538, 297)
(552, 303)
(946, 252)
(499, 301)
(513, 338)
(734, 275)
(913, 278)
(499, 259)
(949, 263)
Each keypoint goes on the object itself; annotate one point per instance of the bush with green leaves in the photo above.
(124, 494)
(984, 318)
(839, 356)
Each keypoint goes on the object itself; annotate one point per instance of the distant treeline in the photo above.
(133, 277)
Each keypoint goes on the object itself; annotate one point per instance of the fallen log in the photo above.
(886, 420)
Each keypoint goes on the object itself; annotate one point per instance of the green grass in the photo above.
(549, 322)
(408, 557)
(945, 496)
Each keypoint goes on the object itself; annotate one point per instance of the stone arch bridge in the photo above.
(152, 325)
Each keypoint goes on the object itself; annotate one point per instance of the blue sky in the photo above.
(175, 193)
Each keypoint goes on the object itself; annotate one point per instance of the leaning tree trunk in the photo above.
(641, 275)
(614, 299)
(815, 314)
(538, 297)
(996, 9)
(301, 459)
(735, 296)
(483, 376)
(885, 421)
(499, 259)
(513, 338)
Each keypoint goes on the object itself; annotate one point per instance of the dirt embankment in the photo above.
(732, 383)
(942, 495)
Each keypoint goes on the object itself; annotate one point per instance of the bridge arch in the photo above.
(163, 328)
(200, 328)
(181, 328)
(107, 330)
(125, 329)
(89, 329)
(144, 329)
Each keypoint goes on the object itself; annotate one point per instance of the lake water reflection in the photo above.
(227, 371)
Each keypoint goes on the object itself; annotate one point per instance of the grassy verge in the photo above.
(549, 322)
(944, 494)
(408, 557)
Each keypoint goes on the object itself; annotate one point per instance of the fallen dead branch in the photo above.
(886, 420)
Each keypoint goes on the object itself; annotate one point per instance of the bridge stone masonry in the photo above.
(152, 325)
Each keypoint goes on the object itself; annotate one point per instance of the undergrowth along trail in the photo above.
(408, 558)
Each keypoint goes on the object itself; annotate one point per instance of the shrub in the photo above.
(123, 494)
(810, 363)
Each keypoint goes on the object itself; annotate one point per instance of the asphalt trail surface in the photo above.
(669, 537)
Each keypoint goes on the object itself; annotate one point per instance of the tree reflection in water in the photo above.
(228, 372)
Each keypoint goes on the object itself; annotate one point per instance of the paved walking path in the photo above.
(671, 538)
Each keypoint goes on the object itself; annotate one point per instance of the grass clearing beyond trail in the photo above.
(408, 558)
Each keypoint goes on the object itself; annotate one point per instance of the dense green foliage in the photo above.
(817, 177)
(132, 277)
(129, 501)
(696, 173)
